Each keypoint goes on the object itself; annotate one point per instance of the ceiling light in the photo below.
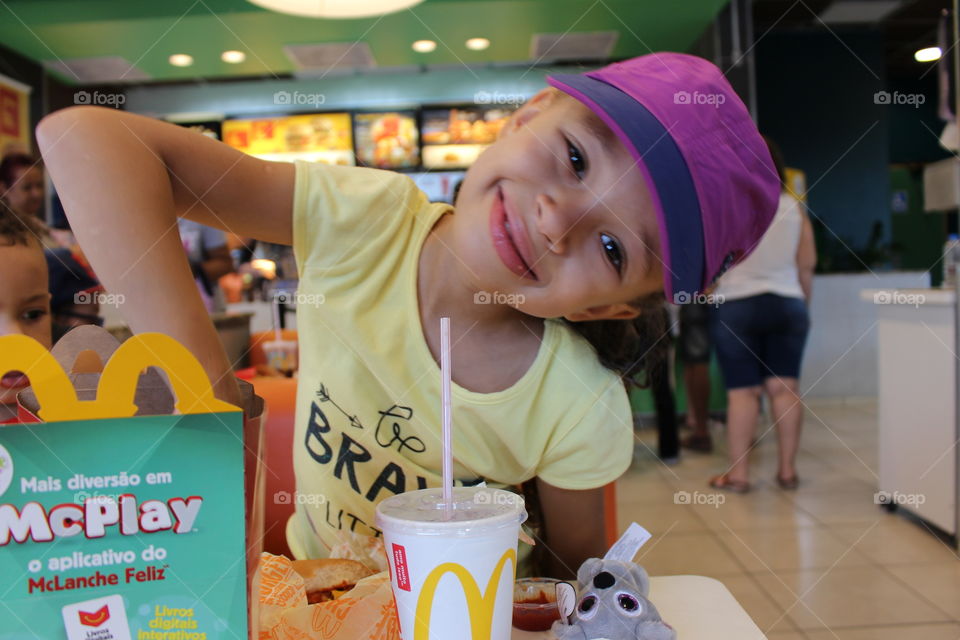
(181, 60)
(424, 46)
(478, 44)
(336, 8)
(928, 55)
(233, 57)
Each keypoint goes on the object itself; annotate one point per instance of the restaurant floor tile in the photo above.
(823, 562)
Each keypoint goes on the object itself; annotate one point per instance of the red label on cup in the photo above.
(400, 567)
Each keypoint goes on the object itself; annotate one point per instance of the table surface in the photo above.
(699, 608)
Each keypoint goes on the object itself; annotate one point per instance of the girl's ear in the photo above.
(621, 311)
(531, 108)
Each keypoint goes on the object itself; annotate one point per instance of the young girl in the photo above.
(602, 192)
(24, 297)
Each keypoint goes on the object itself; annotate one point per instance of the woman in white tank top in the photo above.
(759, 331)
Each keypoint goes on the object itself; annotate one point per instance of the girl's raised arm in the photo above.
(123, 180)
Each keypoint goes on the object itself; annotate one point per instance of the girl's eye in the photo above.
(577, 161)
(613, 251)
(33, 315)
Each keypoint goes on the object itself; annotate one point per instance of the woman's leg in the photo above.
(743, 408)
(787, 412)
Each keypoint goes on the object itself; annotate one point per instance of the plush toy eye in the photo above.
(588, 607)
(629, 604)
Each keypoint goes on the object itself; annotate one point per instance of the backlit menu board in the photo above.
(387, 140)
(319, 137)
(454, 137)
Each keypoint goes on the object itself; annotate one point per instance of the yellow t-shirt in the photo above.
(368, 398)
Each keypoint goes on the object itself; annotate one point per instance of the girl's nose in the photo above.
(555, 222)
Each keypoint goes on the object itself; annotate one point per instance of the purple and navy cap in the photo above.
(710, 175)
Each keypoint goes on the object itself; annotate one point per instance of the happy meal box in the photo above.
(116, 525)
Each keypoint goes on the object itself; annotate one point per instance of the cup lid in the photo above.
(476, 510)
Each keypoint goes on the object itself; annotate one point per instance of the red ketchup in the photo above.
(535, 607)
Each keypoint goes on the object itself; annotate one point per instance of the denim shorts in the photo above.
(759, 337)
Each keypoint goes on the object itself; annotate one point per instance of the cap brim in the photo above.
(665, 171)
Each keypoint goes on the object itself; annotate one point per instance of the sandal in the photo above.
(701, 443)
(788, 484)
(724, 483)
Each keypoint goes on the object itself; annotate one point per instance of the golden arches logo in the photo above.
(480, 606)
(58, 399)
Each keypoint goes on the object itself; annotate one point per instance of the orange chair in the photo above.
(279, 394)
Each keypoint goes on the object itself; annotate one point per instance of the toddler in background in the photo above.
(24, 297)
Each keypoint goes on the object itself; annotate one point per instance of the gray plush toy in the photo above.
(613, 605)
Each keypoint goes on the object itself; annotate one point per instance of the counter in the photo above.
(917, 402)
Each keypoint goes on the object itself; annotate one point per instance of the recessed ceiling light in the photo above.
(928, 55)
(181, 60)
(233, 57)
(478, 44)
(424, 46)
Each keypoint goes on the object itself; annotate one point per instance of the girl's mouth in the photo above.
(14, 380)
(503, 240)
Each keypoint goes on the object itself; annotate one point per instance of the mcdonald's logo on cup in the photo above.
(480, 606)
(474, 545)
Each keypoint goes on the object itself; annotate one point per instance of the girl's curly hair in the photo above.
(631, 348)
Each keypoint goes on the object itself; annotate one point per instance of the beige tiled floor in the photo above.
(821, 563)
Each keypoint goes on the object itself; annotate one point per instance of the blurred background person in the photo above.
(759, 331)
(693, 349)
(209, 259)
(21, 184)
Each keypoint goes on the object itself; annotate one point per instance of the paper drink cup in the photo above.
(452, 579)
(281, 355)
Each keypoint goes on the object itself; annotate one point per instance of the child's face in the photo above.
(25, 195)
(24, 304)
(557, 214)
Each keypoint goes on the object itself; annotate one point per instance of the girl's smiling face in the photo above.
(557, 214)
(24, 304)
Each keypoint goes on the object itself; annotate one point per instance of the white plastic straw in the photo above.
(445, 366)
